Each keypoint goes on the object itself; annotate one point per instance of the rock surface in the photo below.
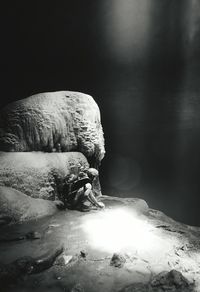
(117, 260)
(11, 272)
(38, 174)
(20, 207)
(172, 281)
(53, 121)
(161, 254)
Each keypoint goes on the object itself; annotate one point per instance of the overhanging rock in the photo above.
(53, 121)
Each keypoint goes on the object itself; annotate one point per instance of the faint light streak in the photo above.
(128, 28)
(193, 19)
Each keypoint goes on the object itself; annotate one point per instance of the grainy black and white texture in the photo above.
(43, 140)
(45, 122)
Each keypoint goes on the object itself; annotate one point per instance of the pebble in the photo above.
(77, 288)
(117, 260)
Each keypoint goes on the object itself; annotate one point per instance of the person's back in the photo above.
(80, 195)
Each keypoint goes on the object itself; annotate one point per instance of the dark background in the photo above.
(140, 60)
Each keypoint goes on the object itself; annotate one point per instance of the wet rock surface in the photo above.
(117, 260)
(165, 281)
(18, 207)
(154, 258)
(172, 281)
(32, 235)
(15, 271)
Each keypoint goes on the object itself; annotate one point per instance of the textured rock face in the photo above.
(37, 174)
(19, 207)
(54, 121)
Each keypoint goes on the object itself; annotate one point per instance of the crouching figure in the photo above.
(80, 195)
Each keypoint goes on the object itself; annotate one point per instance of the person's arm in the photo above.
(88, 189)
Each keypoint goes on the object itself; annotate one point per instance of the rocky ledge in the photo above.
(38, 174)
(125, 247)
(53, 121)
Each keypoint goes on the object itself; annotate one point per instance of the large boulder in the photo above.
(38, 174)
(18, 207)
(53, 121)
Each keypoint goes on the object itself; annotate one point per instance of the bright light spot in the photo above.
(120, 230)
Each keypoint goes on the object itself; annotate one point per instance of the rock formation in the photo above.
(38, 137)
(37, 174)
(18, 207)
(53, 121)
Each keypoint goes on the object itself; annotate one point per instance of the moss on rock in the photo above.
(38, 174)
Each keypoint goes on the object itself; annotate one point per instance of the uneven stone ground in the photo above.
(147, 240)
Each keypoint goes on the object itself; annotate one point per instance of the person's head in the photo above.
(92, 173)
